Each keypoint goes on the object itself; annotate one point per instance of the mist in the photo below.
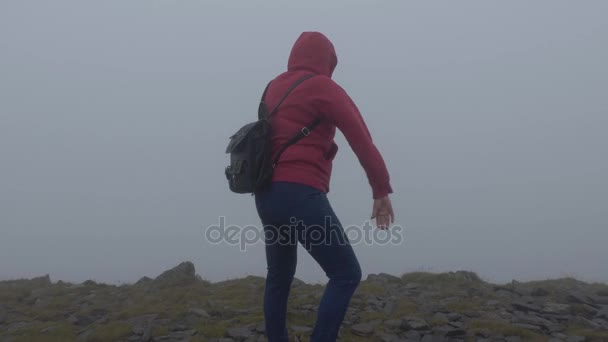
(491, 117)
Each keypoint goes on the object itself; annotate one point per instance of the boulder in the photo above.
(182, 274)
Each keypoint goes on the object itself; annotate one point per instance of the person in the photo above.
(296, 200)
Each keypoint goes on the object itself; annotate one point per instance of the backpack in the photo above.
(250, 149)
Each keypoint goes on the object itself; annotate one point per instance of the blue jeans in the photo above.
(294, 213)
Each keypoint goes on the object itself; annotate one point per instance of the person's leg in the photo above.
(324, 238)
(281, 263)
(281, 258)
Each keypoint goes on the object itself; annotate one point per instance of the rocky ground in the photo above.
(179, 306)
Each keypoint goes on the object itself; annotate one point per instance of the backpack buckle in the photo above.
(305, 131)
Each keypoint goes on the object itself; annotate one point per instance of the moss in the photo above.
(111, 332)
(160, 330)
(505, 329)
(593, 335)
(58, 332)
(370, 289)
(212, 329)
(464, 305)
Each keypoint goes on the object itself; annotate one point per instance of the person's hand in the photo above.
(383, 212)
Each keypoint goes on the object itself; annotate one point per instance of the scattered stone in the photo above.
(239, 333)
(200, 313)
(556, 308)
(390, 307)
(384, 337)
(414, 324)
(579, 298)
(539, 292)
(525, 307)
(363, 329)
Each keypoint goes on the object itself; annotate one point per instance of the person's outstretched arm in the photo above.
(337, 106)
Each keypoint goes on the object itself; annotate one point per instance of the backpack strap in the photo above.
(263, 100)
(304, 132)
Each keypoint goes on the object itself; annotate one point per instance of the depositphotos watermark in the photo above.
(298, 232)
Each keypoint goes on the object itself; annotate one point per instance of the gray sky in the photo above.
(491, 116)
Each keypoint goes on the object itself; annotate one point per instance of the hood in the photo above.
(313, 51)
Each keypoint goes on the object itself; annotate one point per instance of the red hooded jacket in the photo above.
(309, 161)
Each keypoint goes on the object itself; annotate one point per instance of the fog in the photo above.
(491, 117)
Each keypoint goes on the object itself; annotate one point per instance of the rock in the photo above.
(454, 316)
(414, 324)
(534, 328)
(601, 313)
(556, 308)
(384, 337)
(513, 339)
(392, 323)
(384, 278)
(142, 326)
(239, 333)
(260, 328)
(182, 274)
(200, 313)
(363, 329)
(413, 336)
(390, 307)
(143, 281)
(412, 286)
(492, 302)
(577, 297)
(525, 307)
(452, 332)
(539, 292)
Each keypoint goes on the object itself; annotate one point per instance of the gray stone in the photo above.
(392, 323)
(384, 337)
(525, 307)
(556, 308)
(601, 313)
(390, 307)
(412, 336)
(579, 298)
(539, 292)
(513, 339)
(532, 327)
(414, 324)
(239, 333)
(200, 313)
(363, 329)
(454, 316)
(260, 328)
(181, 274)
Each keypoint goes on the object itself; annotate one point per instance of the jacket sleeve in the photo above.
(337, 106)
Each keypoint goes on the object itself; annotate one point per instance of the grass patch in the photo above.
(464, 305)
(505, 329)
(593, 335)
(111, 332)
(370, 289)
(214, 329)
